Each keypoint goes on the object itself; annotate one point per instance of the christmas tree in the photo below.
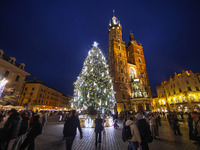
(93, 89)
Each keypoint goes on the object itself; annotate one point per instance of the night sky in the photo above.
(53, 37)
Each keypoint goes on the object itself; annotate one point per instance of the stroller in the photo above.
(115, 124)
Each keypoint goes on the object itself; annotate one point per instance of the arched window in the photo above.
(128, 54)
(138, 51)
(139, 59)
(120, 54)
(132, 73)
(122, 79)
(124, 97)
(121, 62)
(121, 70)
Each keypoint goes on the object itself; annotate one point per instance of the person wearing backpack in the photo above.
(133, 135)
(196, 127)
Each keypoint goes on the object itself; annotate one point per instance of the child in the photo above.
(115, 124)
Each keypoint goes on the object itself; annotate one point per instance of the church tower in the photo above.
(128, 70)
(117, 61)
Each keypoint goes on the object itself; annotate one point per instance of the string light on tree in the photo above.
(93, 87)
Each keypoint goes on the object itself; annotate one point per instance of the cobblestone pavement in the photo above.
(52, 139)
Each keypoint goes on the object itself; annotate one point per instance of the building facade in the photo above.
(12, 77)
(128, 70)
(65, 102)
(180, 93)
(37, 96)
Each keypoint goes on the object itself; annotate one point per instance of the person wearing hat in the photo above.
(10, 129)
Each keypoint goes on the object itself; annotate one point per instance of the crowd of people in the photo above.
(144, 126)
(138, 129)
(21, 126)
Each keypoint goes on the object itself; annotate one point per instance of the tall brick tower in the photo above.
(128, 70)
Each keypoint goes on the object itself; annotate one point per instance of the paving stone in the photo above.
(52, 139)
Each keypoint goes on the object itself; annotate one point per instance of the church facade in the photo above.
(128, 70)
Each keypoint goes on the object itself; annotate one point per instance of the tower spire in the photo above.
(114, 19)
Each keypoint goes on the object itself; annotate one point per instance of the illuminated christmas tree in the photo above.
(93, 89)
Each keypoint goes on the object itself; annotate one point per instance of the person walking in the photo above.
(143, 128)
(115, 124)
(190, 125)
(10, 129)
(98, 129)
(135, 141)
(35, 130)
(70, 128)
(44, 120)
(153, 126)
(175, 124)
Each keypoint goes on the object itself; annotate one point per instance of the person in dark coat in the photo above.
(190, 125)
(70, 128)
(98, 129)
(175, 124)
(10, 129)
(35, 130)
(22, 131)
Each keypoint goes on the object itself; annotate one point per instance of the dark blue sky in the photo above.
(53, 37)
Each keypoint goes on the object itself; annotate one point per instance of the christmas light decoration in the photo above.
(94, 87)
(2, 85)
